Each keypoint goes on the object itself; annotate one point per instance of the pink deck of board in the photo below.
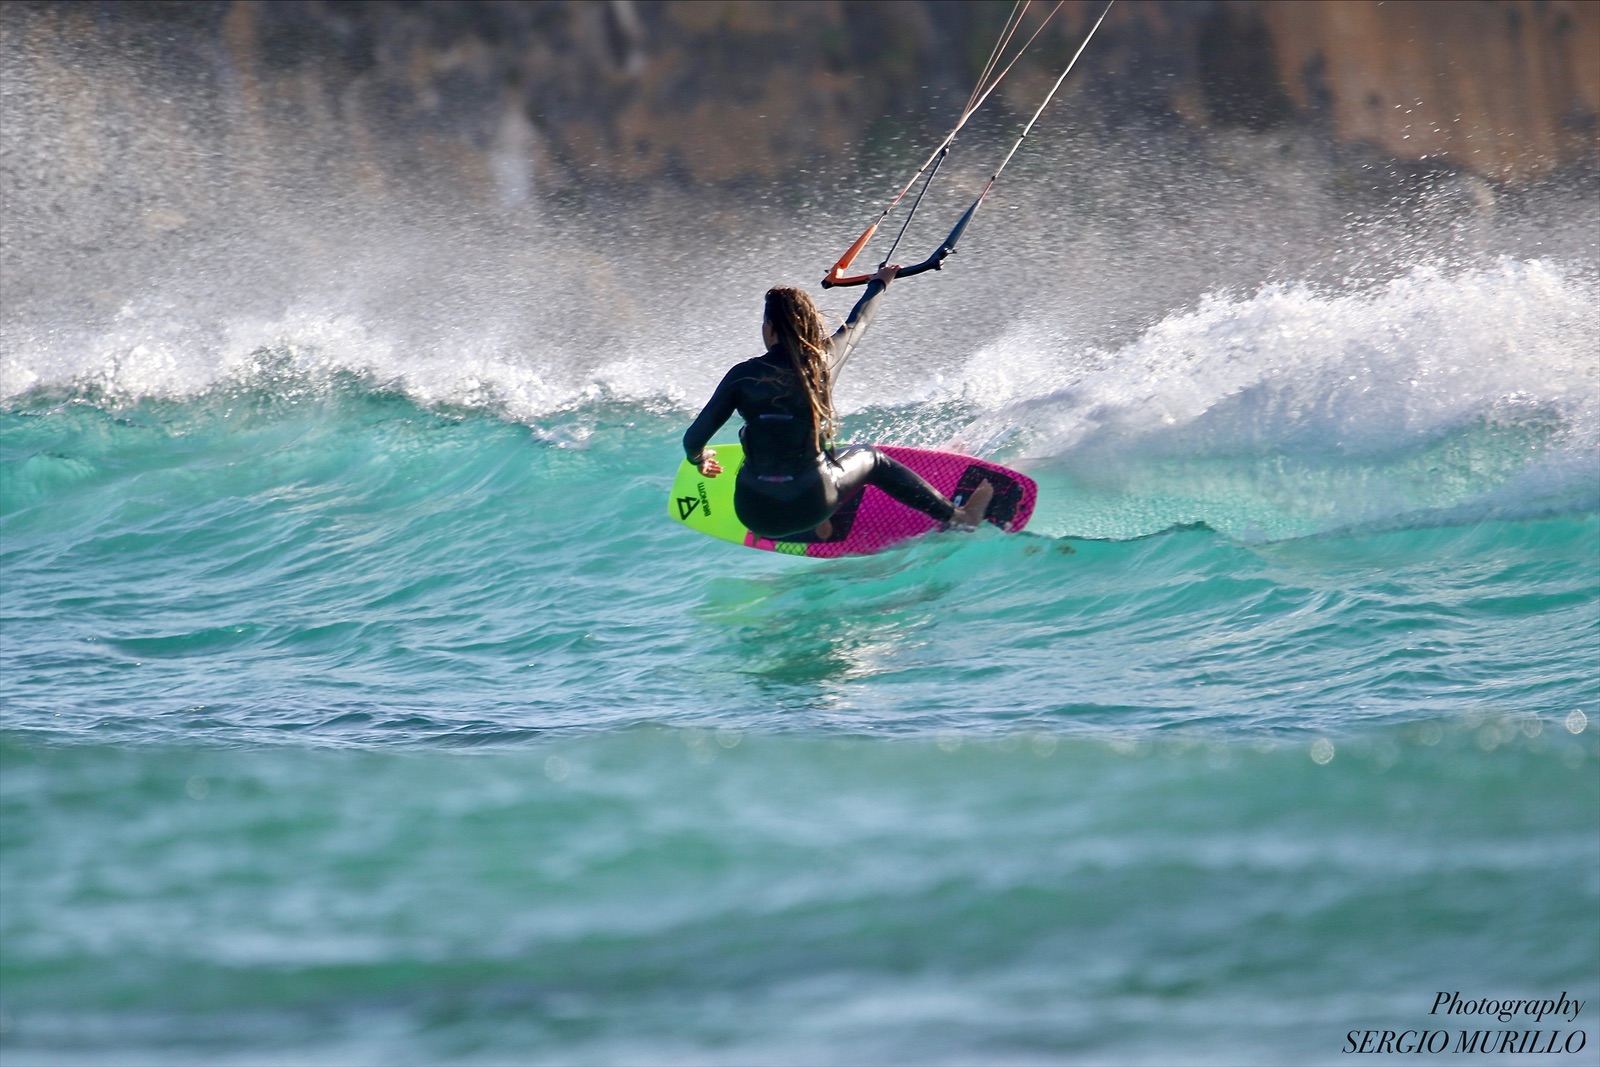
(880, 521)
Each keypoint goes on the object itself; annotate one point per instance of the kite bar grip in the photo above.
(933, 262)
(833, 279)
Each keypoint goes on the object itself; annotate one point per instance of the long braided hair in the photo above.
(803, 337)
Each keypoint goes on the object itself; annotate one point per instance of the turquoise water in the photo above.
(361, 705)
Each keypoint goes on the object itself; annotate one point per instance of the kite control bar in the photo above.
(836, 279)
(836, 276)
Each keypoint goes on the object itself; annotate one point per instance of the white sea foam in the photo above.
(1293, 368)
(1288, 410)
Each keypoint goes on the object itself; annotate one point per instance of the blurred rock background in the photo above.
(508, 102)
(575, 169)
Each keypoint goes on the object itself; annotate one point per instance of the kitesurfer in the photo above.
(793, 479)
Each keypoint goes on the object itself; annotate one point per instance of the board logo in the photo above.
(686, 506)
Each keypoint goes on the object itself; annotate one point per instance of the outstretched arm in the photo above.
(718, 410)
(846, 338)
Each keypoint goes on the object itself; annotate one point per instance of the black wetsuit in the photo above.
(788, 485)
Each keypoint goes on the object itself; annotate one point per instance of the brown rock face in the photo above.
(1506, 90)
(505, 102)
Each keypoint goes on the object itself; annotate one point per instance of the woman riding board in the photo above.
(793, 479)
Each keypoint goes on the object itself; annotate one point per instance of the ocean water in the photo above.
(362, 706)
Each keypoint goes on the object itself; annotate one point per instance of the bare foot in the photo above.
(824, 529)
(971, 513)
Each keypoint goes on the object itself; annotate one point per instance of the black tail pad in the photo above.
(1007, 493)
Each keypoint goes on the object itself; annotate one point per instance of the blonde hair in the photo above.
(803, 337)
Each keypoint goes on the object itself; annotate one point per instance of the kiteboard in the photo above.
(869, 522)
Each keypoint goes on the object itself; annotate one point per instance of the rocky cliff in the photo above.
(509, 102)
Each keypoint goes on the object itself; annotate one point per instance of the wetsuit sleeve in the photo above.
(844, 341)
(718, 410)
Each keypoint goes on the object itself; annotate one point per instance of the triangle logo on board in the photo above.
(686, 506)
